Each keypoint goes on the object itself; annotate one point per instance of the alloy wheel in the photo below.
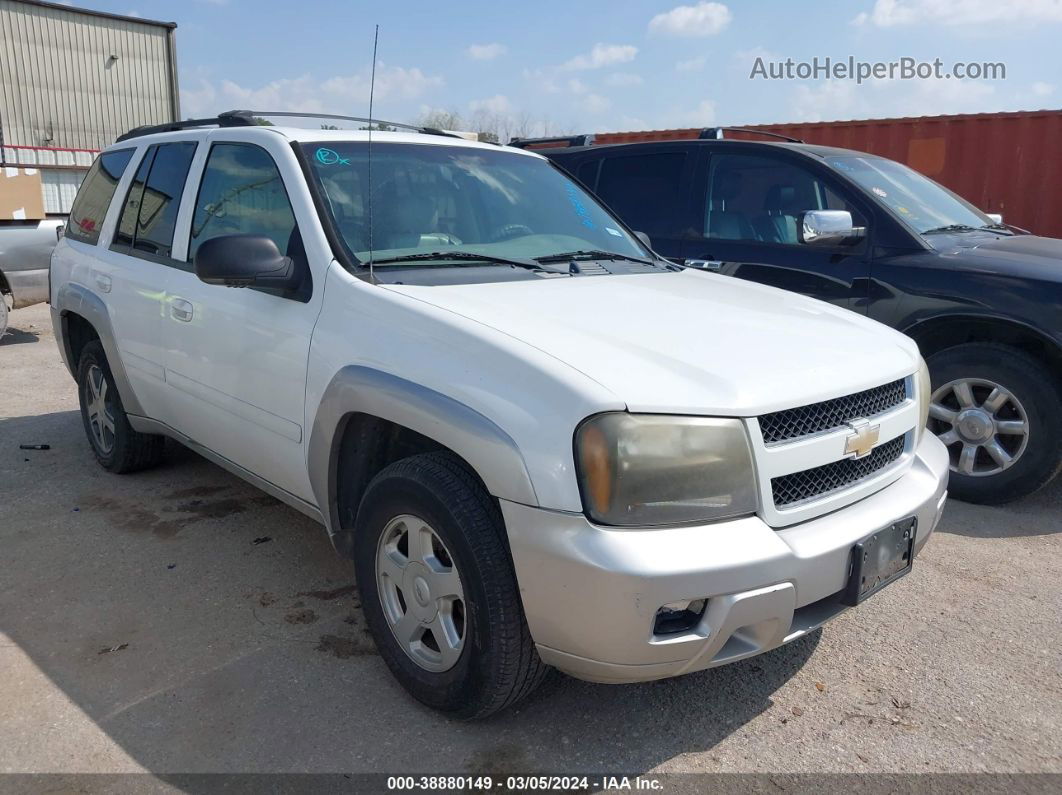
(421, 593)
(984, 426)
(100, 409)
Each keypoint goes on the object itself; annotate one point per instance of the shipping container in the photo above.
(1007, 163)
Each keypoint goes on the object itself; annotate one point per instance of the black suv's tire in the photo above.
(117, 447)
(495, 663)
(1032, 399)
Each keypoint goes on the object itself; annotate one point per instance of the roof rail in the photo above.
(716, 133)
(250, 118)
(548, 143)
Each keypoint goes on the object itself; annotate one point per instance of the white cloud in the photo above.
(692, 64)
(337, 94)
(703, 115)
(485, 52)
(834, 100)
(623, 79)
(577, 86)
(1042, 89)
(602, 55)
(499, 103)
(703, 19)
(595, 103)
(896, 13)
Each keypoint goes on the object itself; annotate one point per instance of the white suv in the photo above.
(541, 444)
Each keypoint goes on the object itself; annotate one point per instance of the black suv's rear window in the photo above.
(90, 206)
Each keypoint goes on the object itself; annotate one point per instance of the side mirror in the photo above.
(996, 218)
(245, 261)
(645, 240)
(828, 228)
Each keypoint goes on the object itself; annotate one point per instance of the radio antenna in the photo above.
(368, 154)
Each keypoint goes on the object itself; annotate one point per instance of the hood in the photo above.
(688, 342)
(1021, 255)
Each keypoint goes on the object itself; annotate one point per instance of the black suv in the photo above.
(983, 300)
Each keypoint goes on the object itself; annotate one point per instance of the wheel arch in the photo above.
(368, 418)
(83, 317)
(947, 331)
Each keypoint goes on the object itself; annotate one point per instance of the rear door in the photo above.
(750, 201)
(236, 358)
(132, 270)
(648, 187)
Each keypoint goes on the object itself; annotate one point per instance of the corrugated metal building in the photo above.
(71, 81)
(1007, 163)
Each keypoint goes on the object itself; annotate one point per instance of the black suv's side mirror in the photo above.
(245, 261)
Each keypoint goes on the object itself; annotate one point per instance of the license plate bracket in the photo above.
(879, 560)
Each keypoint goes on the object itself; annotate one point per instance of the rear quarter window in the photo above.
(90, 206)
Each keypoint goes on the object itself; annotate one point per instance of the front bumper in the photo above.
(591, 593)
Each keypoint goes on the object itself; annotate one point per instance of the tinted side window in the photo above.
(162, 198)
(242, 193)
(760, 199)
(587, 173)
(90, 206)
(644, 190)
(126, 231)
(150, 212)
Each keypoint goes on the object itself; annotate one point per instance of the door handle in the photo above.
(704, 264)
(181, 310)
(103, 281)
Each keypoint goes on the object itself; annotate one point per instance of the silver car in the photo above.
(25, 250)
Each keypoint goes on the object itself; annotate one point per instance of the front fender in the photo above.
(488, 449)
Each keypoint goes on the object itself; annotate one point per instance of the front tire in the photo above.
(999, 412)
(118, 448)
(439, 590)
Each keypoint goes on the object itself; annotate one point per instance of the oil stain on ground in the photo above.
(345, 648)
(185, 507)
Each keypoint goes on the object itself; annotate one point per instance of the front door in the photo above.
(236, 358)
(751, 207)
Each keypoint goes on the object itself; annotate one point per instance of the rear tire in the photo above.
(117, 447)
(1000, 413)
(465, 648)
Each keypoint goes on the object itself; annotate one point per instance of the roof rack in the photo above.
(545, 143)
(708, 133)
(716, 133)
(250, 118)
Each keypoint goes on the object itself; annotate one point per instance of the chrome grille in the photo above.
(820, 481)
(829, 414)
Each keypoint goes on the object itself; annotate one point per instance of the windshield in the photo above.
(428, 200)
(919, 202)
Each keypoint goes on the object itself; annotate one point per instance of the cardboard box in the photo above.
(21, 195)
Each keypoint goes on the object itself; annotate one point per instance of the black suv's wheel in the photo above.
(999, 412)
(117, 446)
(438, 588)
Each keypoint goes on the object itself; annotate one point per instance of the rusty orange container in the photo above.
(1007, 163)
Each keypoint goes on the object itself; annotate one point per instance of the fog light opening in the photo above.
(678, 617)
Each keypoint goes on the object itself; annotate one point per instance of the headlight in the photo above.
(656, 469)
(924, 388)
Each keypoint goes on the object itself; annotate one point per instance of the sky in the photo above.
(604, 66)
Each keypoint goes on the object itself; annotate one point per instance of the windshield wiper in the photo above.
(468, 256)
(998, 228)
(950, 228)
(590, 254)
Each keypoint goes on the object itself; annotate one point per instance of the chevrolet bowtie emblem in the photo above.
(862, 440)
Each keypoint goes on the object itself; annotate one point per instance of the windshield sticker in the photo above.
(612, 231)
(879, 192)
(579, 207)
(330, 157)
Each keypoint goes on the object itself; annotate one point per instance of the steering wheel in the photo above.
(510, 231)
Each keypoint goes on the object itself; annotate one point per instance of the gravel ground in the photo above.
(179, 620)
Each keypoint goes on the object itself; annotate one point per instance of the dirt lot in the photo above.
(181, 621)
